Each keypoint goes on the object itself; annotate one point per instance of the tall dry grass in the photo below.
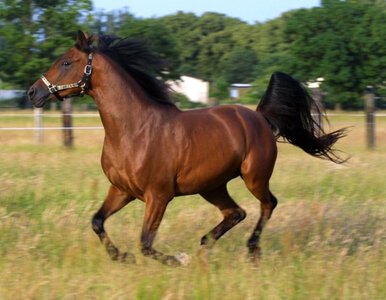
(326, 239)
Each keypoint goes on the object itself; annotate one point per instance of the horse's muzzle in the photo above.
(38, 96)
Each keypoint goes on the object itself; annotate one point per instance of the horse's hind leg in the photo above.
(268, 204)
(232, 213)
(114, 201)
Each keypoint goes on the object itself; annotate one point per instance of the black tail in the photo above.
(287, 106)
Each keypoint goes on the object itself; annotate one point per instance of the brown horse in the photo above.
(153, 151)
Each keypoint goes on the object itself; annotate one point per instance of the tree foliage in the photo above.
(342, 41)
(34, 32)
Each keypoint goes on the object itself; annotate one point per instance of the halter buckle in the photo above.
(88, 70)
(53, 89)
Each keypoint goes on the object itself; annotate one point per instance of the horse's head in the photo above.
(68, 76)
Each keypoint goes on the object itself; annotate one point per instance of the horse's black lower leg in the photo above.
(114, 201)
(232, 213)
(268, 204)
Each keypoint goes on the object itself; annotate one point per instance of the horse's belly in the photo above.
(205, 177)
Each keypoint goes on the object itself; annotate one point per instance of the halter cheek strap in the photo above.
(83, 84)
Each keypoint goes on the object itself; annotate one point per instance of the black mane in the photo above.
(136, 58)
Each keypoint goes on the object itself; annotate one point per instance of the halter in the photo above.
(83, 84)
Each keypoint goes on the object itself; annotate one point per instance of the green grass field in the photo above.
(326, 239)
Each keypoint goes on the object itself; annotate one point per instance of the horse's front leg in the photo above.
(154, 211)
(115, 200)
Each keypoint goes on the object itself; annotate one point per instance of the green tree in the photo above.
(239, 65)
(158, 36)
(34, 32)
(342, 41)
(271, 46)
(153, 31)
(213, 48)
(187, 33)
(270, 37)
(202, 42)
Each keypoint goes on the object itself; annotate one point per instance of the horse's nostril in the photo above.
(31, 92)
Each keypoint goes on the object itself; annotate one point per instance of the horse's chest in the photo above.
(120, 174)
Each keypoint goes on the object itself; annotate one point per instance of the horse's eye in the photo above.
(66, 63)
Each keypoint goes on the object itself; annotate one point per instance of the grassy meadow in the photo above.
(326, 238)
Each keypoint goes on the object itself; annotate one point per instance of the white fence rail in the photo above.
(88, 115)
(50, 128)
(39, 127)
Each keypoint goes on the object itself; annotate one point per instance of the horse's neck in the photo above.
(123, 106)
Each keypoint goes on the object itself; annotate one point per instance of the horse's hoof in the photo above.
(180, 259)
(254, 256)
(203, 255)
(126, 258)
(183, 258)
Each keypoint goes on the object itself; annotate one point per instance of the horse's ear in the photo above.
(82, 41)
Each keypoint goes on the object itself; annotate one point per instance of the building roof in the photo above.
(241, 85)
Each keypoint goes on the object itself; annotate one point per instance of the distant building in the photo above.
(195, 89)
(11, 94)
(315, 84)
(239, 89)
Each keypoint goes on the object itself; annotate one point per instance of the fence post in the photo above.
(370, 116)
(318, 96)
(38, 124)
(68, 138)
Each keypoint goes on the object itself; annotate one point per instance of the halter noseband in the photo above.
(83, 84)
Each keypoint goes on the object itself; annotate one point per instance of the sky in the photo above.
(246, 10)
